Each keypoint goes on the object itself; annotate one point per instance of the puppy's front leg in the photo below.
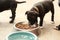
(13, 15)
(41, 22)
(52, 17)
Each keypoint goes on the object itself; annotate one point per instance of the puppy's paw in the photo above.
(11, 22)
(55, 28)
(52, 22)
(11, 17)
(41, 27)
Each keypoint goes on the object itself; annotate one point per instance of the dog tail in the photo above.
(21, 2)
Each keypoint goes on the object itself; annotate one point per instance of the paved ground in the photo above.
(48, 33)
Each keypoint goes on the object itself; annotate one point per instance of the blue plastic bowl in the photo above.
(21, 36)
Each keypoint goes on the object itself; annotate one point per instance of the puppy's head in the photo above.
(31, 17)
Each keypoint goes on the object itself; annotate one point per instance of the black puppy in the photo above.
(9, 4)
(39, 10)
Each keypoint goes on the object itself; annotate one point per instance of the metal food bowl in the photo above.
(35, 30)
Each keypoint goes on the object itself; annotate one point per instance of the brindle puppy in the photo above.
(39, 10)
(9, 4)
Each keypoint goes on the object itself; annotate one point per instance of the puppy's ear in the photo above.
(26, 12)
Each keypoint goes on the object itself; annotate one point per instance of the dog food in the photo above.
(23, 26)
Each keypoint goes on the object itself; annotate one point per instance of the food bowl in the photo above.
(21, 36)
(34, 30)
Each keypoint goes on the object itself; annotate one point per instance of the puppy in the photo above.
(39, 10)
(9, 5)
(59, 3)
(57, 27)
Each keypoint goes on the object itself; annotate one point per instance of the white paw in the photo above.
(53, 22)
(55, 28)
(41, 27)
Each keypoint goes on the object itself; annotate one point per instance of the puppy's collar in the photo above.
(36, 9)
